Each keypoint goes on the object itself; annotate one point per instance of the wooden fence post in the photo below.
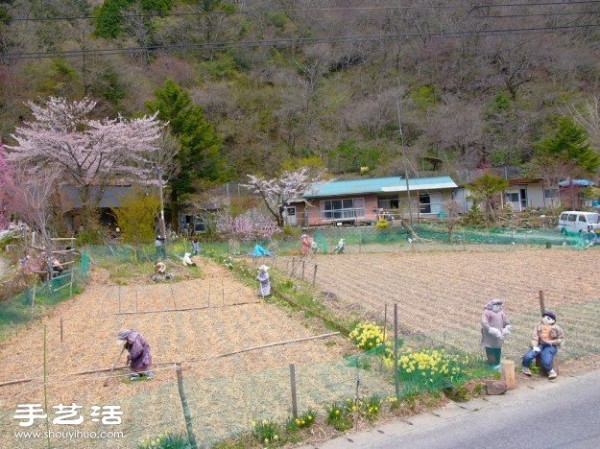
(293, 267)
(33, 301)
(61, 329)
(71, 286)
(314, 275)
(186, 410)
(303, 267)
(542, 303)
(396, 379)
(384, 321)
(293, 385)
(46, 392)
(507, 373)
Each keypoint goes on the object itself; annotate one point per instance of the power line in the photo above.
(470, 8)
(290, 42)
(541, 14)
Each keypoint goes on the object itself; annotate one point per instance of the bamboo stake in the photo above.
(293, 386)
(186, 309)
(46, 393)
(173, 295)
(396, 379)
(33, 300)
(542, 303)
(71, 283)
(186, 410)
(270, 345)
(19, 381)
(314, 275)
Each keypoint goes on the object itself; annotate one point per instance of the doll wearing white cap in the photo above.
(264, 287)
(495, 326)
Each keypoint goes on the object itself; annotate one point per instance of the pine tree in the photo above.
(199, 160)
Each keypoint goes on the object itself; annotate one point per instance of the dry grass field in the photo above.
(224, 394)
(442, 294)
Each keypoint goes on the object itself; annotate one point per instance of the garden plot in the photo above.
(222, 316)
(442, 295)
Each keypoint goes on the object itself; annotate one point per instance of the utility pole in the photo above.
(408, 194)
(163, 228)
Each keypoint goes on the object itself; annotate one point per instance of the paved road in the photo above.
(550, 415)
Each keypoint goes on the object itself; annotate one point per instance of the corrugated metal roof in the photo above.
(351, 186)
(440, 182)
(576, 182)
(378, 185)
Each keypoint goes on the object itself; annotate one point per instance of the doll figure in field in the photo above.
(264, 283)
(494, 328)
(139, 358)
(546, 339)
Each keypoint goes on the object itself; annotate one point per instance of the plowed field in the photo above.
(441, 295)
(224, 394)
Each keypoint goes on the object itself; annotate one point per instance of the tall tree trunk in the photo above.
(174, 210)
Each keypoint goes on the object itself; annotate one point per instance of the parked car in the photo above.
(578, 221)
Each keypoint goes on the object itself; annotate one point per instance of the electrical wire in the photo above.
(466, 7)
(291, 42)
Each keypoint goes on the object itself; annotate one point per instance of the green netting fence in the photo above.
(34, 302)
(226, 406)
(357, 239)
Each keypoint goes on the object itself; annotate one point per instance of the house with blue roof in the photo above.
(363, 201)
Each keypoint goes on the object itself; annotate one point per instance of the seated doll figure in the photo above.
(494, 327)
(547, 338)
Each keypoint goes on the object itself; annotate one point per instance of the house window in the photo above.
(346, 209)
(550, 193)
(513, 197)
(388, 203)
(424, 203)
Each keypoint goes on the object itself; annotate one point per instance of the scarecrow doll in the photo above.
(494, 327)
(547, 338)
(139, 358)
(264, 284)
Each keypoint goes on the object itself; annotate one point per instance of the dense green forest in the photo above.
(393, 85)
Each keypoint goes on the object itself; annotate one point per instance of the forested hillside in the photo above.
(394, 85)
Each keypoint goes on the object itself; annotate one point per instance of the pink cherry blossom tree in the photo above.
(28, 195)
(4, 174)
(278, 192)
(87, 153)
(250, 226)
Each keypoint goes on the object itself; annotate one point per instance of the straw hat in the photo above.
(263, 268)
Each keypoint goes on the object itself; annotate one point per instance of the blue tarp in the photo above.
(259, 251)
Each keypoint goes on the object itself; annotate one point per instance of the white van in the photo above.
(577, 221)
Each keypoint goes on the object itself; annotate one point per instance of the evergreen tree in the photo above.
(569, 144)
(199, 160)
(485, 189)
